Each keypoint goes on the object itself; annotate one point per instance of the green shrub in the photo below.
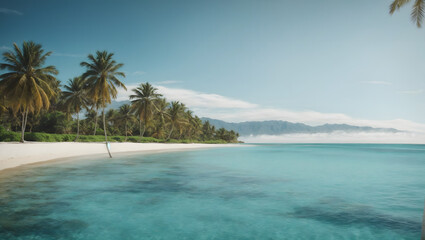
(215, 142)
(99, 131)
(68, 137)
(9, 136)
(117, 138)
(39, 137)
(133, 139)
(91, 138)
(53, 122)
(149, 140)
(84, 138)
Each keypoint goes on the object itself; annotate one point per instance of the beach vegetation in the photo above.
(75, 99)
(101, 79)
(27, 86)
(126, 117)
(35, 104)
(143, 104)
(175, 116)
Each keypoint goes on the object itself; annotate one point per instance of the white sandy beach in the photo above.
(17, 154)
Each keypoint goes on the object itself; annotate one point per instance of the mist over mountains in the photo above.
(277, 127)
(256, 128)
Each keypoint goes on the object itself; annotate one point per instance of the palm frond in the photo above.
(418, 12)
(28, 85)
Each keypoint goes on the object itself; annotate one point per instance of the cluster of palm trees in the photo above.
(149, 114)
(30, 88)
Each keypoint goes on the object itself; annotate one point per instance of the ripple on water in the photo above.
(295, 192)
(356, 215)
(44, 228)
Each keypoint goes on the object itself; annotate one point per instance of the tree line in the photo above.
(32, 100)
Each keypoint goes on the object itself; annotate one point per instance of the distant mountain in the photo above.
(284, 127)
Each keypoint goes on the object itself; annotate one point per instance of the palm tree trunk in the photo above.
(144, 128)
(26, 119)
(23, 127)
(171, 131)
(145, 122)
(95, 122)
(24, 124)
(78, 126)
(140, 127)
(104, 130)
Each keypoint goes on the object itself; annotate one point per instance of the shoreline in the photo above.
(13, 155)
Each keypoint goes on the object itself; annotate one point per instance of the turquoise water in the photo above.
(288, 191)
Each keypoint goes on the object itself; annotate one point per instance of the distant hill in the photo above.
(284, 127)
(278, 127)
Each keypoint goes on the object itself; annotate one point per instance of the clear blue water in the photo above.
(291, 191)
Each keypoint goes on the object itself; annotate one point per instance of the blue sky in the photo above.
(309, 61)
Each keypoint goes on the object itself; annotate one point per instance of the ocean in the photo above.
(265, 191)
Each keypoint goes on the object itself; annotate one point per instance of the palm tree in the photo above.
(190, 123)
(196, 127)
(75, 98)
(220, 134)
(3, 109)
(112, 120)
(161, 108)
(208, 131)
(28, 86)
(175, 115)
(101, 80)
(143, 103)
(161, 105)
(3, 105)
(126, 115)
(91, 117)
(94, 108)
(417, 13)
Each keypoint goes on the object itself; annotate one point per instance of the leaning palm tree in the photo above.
(175, 115)
(418, 10)
(102, 81)
(28, 86)
(143, 103)
(75, 98)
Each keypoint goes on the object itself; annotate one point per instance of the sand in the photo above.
(18, 154)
